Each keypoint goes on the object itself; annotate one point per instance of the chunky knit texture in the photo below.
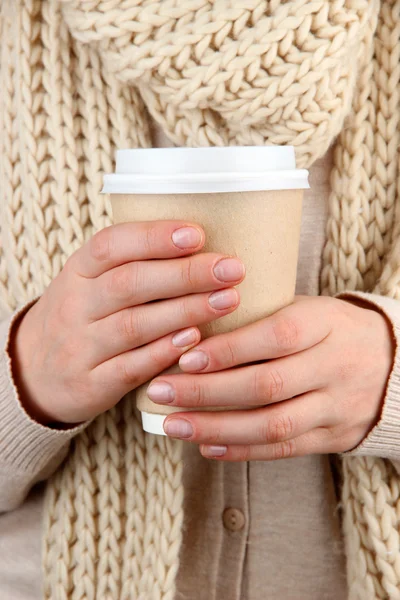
(78, 79)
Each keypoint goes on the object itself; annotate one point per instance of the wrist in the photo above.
(379, 438)
(21, 345)
(367, 304)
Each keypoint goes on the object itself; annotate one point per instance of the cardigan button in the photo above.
(233, 519)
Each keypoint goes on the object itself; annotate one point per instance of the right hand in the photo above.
(96, 333)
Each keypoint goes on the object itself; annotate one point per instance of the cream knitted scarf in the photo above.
(78, 79)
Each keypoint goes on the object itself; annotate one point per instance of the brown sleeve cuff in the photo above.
(384, 439)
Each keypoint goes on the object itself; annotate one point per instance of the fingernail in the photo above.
(229, 269)
(223, 299)
(186, 237)
(161, 393)
(178, 428)
(214, 451)
(195, 360)
(185, 338)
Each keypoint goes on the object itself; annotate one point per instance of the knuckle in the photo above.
(126, 325)
(278, 429)
(189, 311)
(75, 374)
(286, 333)
(215, 436)
(284, 449)
(188, 274)
(121, 282)
(158, 358)
(127, 373)
(195, 393)
(230, 352)
(140, 326)
(102, 245)
(269, 384)
(150, 238)
(69, 267)
(223, 358)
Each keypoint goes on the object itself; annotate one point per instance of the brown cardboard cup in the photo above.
(247, 199)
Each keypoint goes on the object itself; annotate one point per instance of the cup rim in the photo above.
(205, 170)
(206, 183)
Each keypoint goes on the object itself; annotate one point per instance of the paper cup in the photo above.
(247, 199)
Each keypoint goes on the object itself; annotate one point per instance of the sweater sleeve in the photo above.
(29, 451)
(384, 439)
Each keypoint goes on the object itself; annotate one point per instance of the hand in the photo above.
(319, 389)
(97, 333)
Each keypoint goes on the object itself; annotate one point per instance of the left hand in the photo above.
(319, 388)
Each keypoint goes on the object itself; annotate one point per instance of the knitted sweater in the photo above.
(244, 523)
(75, 77)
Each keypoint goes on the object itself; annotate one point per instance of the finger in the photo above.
(127, 371)
(134, 327)
(139, 282)
(315, 442)
(268, 425)
(255, 385)
(286, 332)
(126, 242)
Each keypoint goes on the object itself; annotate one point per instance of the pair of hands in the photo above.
(127, 305)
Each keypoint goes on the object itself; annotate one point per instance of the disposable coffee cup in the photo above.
(248, 200)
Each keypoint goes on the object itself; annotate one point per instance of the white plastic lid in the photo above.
(153, 423)
(205, 170)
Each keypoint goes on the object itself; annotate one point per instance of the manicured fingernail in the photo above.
(194, 361)
(229, 269)
(223, 299)
(185, 338)
(186, 237)
(161, 393)
(178, 428)
(214, 451)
